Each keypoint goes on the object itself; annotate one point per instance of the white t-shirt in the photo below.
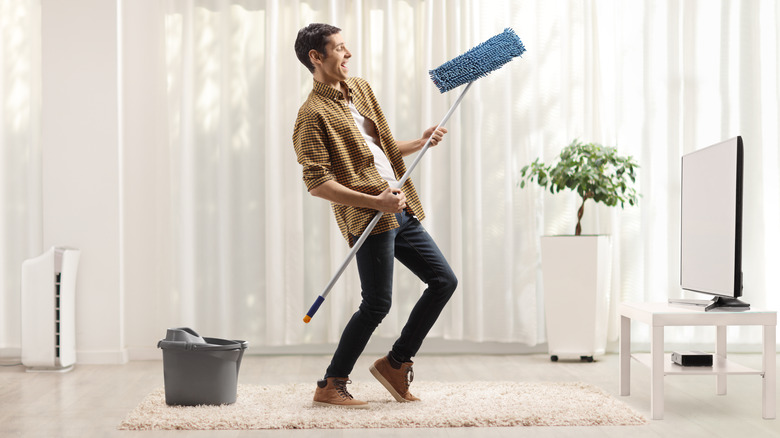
(367, 128)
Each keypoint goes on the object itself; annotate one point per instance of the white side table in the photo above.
(660, 315)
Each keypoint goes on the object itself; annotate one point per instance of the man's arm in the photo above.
(412, 146)
(390, 201)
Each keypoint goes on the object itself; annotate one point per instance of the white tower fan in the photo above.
(49, 310)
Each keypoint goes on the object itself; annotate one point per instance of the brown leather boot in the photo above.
(333, 392)
(395, 380)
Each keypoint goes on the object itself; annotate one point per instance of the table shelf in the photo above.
(720, 366)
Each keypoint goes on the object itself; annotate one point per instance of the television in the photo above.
(711, 225)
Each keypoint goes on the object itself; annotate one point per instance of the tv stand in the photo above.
(724, 304)
(660, 315)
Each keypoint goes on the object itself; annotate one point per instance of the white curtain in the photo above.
(20, 161)
(656, 79)
(250, 249)
(253, 249)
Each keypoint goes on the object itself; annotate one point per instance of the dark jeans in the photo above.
(415, 248)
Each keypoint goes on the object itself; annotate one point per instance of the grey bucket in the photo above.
(199, 370)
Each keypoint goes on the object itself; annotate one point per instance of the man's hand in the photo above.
(410, 147)
(436, 135)
(392, 200)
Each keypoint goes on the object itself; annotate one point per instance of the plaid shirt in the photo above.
(329, 146)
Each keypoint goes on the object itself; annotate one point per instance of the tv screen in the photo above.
(711, 220)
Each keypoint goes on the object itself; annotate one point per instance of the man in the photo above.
(350, 158)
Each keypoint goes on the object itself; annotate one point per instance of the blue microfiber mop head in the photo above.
(478, 62)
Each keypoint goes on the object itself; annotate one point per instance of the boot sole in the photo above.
(333, 405)
(375, 372)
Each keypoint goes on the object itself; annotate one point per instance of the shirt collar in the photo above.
(330, 92)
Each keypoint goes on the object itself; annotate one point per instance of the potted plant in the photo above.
(576, 269)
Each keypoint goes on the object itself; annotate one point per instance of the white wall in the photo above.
(146, 275)
(105, 169)
(80, 152)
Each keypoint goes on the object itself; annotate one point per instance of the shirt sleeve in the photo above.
(309, 139)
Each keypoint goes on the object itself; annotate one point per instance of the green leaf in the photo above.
(590, 170)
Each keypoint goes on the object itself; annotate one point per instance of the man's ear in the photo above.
(315, 57)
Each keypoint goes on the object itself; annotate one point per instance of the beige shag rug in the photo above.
(473, 404)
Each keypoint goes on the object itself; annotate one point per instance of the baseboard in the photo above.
(381, 346)
(10, 357)
(144, 353)
(102, 357)
(374, 347)
(10, 353)
(85, 357)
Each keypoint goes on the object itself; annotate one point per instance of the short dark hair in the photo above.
(314, 36)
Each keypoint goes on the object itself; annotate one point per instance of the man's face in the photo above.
(333, 67)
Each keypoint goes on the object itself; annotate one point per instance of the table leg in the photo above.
(657, 373)
(768, 387)
(720, 353)
(625, 355)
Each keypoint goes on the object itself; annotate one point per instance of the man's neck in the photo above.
(336, 85)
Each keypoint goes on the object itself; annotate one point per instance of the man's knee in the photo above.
(447, 283)
(373, 314)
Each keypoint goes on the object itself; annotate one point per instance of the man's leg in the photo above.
(416, 249)
(375, 261)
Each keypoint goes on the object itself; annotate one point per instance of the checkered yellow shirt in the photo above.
(329, 146)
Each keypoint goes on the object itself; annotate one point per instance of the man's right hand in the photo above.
(392, 200)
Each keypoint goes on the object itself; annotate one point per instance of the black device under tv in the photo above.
(711, 226)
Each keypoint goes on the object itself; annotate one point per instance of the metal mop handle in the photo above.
(379, 214)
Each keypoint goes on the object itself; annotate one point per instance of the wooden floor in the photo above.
(92, 400)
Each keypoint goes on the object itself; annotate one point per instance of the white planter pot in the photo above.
(576, 273)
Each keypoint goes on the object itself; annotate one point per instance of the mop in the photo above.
(465, 69)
